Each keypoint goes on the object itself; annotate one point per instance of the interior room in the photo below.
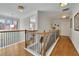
(39, 29)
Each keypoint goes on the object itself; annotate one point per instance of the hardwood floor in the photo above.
(64, 47)
(15, 50)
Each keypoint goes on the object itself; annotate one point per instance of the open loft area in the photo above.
(39, 29)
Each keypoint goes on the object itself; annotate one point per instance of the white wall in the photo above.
(25, 23)
(75, 34)
(43, 22)
(64, 26)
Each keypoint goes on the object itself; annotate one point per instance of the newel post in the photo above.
(25, 40)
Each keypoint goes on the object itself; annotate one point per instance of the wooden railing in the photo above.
(8, 37)
(42, 41)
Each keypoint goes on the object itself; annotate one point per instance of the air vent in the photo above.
(66, 9)
(20, 7)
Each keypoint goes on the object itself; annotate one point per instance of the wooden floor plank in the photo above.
(15, 50)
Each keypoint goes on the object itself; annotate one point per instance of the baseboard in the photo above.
(74, 45)
(52, 47)
(29, 50)
(64, 35)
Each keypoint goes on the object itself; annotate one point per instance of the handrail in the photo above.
(8, 37)
(17, 30)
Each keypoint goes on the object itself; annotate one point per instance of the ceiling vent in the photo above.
(65, 9)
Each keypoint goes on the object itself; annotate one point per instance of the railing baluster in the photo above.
(1, 39)
(25, 39)
(4, 39)
(8, 38)
(16, 37)
(13, 37)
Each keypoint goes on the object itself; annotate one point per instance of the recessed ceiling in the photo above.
(10, 9)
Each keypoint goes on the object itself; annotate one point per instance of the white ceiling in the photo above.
(10, 9)
(54, 14)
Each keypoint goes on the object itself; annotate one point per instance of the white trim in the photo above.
(12, 44)
(74, 45)
(32, 52)
(51, 48)
(32, 44)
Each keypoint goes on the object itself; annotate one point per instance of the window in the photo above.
(33, 23)
(8, 24)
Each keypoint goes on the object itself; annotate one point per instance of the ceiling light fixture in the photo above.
(20, 8)
(63, 4)
(63, 16)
